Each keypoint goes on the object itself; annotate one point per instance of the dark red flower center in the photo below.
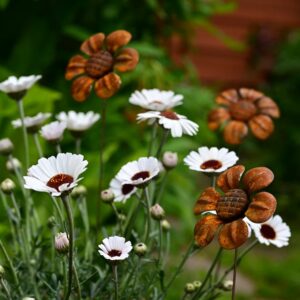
(169, 115)
(211, 164)
(59, 179)
(142, 174)
(267, 232)
(127, 188)
(242, 110)
(113, 253)
(99, 64)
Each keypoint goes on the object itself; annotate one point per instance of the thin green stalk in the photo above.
(148, 216)
(153, 137)
(161, 188)
(77, 282)
(24, 130)
(160, 243)
(208, 274)
(131, 218)
(168, 243)
(38, 145)
(115, 273)
(162, 142)
(58, 148)
(58, 210)
(234, 274)
(16, 207)
(5, 288)
(11, 267)
(78, 145)
(68, 210)
(213, 181)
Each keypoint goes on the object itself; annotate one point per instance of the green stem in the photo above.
(77, 283)
(153, 136)
(160, 243)
(24, 130)
(213, 181)
(161, 188)
(78, 145)
(234, 274)
(16, 207)
(162, 142)
(198, 293)
(148, 216)
(115, 273)
(131, 218)
(61, 219)
(5, 288)
(38, 145)
(58, 148)
(68, 210)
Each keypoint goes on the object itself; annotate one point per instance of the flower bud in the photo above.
(6, 146)
(51, 222)
(78, 191)
(13, 164)
(189, 288)
(122, 218)
(62, 243)
(140, 249)
(28, 298)
(166, 226)
(197, 284)
(107, 196)
(2, 271)
(7, 186)
(227, 285)
(170, 160)
(157, 212)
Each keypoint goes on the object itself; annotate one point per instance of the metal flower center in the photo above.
(99, 64)
(169, 115)
(211, 164)
(114, 252)
(142, 174)
(242, 110)
(127, 188)
(267, 232)
(56, 181)
(232, 205)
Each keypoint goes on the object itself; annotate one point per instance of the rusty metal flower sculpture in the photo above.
(106, 55)
(240, 199)
(240, 109)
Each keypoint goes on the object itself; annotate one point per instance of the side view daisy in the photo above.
(155, 99)
(274, 231)
(121, 191)
(211, 160)
(56, 175)
(32, 124)
(53, 131)
(115, 248)
(177, 124)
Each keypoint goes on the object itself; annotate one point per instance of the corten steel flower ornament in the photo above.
(242, 109)
(240, 199)
(106, 55)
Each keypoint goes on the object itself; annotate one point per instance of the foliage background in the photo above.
(39, 37)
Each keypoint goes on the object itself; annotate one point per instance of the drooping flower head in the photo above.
(53, 131)
(115, 248)
(274, 231)
(211, 160)
(106, 55)
(56, 175)
(177, 124)
(32, 124)
(155, 99)
(240, 109)
(121, 191)
(78, 123)
(16, 88)
(240, 199)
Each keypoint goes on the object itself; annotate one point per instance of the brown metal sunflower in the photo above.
(105, 56)
(241, 109)
(240, 199)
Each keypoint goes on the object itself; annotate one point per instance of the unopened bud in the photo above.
(13, 164)
(62, 243)
(140, 249)
(170, 160)
(227, 285)
(2, 271)
(122, 218)
(189, 288)
(78, 191)
(107, 196)
(7, 186)
(51, 223)
(157, 212)
(197, 284)
(6, 146)
(28, 298)
(166, 226)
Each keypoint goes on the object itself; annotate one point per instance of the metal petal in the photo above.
(117, 39)
(76, 66)
(261, 126)
(207, 201)
(81, 88)
(107, 86)
(227, 97)
(230, 179)
(126, 60)
(267, 106)
(217, 117)
(234, 132)
(250, 94)
(93, 44)
(261, 208)
(233, 235)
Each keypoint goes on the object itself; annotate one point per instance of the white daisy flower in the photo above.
(121, 191)
(53, 131)
(56, 175)
(32, 124)
(274, 231)
(16, 85)
(139, 172)
(155, 99)
(176, 123)
(115, 248)
(78, 122)
(211, 160)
